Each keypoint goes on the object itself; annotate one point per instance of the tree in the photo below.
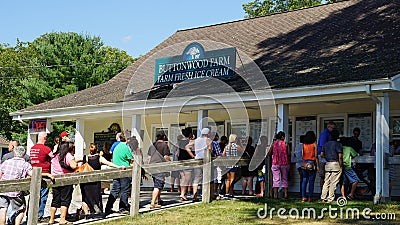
(77, 61)
(266, 7)
(53, 65)
(12, 76)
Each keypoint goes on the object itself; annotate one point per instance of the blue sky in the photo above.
(133, 26)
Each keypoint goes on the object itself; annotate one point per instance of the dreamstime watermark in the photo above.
(332, 211)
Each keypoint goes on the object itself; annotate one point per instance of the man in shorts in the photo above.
(217, 152)
(348, 154)
(158, 152)
(200, 145)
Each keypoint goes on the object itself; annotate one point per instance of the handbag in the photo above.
(84, 167)
(307, 166)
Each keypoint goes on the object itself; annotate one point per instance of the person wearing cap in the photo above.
(64, 136)
(15, 168)
(200, 145)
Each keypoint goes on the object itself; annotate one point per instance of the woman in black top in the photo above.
(106, 151)
(184, 155)
(246, 174)
(91, 192)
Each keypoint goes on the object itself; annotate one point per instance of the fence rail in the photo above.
(35, 183)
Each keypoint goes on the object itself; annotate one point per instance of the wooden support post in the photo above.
(135, 193)
(207, 177)
(34, 197)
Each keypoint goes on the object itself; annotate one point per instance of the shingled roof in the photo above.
(348, 41)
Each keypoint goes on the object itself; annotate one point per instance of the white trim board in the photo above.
(351, 90)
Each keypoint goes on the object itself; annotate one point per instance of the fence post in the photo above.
(268, 177)
(135, 193)
(34, 197)
(207, 177)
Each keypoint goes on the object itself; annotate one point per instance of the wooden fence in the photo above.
(35, 183)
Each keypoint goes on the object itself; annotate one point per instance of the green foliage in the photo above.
(11, 78)
(59, 127)
(76, 57)
(53, 65)
(266, 7)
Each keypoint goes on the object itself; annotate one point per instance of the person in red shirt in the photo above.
(41, 156)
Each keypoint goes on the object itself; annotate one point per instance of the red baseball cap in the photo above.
(64, 133)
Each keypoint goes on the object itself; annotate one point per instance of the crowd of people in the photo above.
(329, 157)
(188, 180)
(332, 159)
(17, 164)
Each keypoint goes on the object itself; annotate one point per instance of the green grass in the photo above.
(245, 212)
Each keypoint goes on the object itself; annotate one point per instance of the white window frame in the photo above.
(321, 117)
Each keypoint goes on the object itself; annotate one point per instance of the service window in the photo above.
(364, 122)
(340, 124)
(155, 129)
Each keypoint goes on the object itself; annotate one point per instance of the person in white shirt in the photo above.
(200, 145)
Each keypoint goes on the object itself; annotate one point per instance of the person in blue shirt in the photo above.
(324, 137)
(118, 140)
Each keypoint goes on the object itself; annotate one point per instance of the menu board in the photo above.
(364, 122)
(221, 130)
(157, 129)
(395, 127)
(240, 130)
(102, 137)
(175, 131)
(218, 127)
(258, 128)
(304, 124)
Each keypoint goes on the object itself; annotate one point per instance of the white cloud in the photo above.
(127, 39)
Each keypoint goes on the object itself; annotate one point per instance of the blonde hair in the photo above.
(232, 139)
